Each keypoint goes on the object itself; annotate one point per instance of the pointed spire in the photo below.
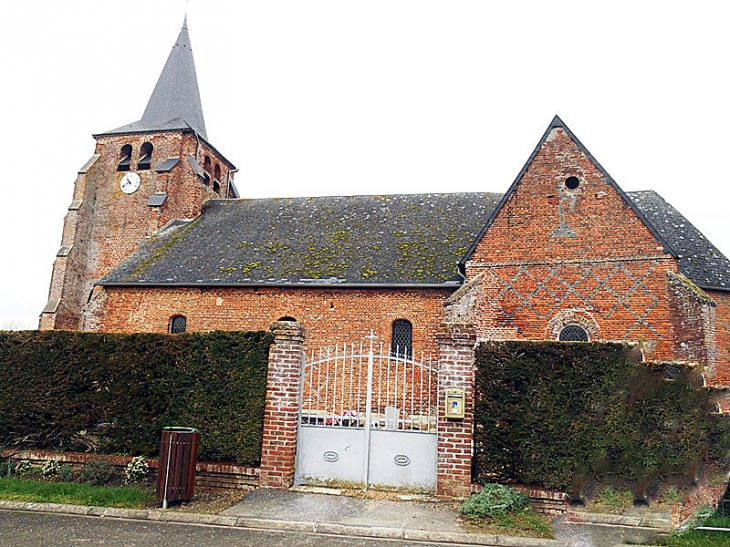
(175, 101)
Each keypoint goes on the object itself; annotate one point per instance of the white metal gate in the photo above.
(367, 418)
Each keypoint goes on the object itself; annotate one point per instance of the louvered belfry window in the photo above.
(178, 324)
(573, 333)
(401, 341)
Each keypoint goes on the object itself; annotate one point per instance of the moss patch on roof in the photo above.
(398, 239)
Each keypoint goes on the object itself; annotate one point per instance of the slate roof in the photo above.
(699, 260)
(175, 101)
(410, 239)
(357, 240)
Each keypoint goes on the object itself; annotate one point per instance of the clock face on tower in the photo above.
(130, 182)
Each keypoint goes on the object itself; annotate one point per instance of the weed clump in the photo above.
(494, 500)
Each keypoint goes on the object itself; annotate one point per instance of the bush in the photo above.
(97, 473)
(50, 468)
(563, 415)
(113, 393)
(23, 467)
(65, 473)
(494, 500)
(137, 469)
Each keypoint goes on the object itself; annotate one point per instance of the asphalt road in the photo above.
(24, 529)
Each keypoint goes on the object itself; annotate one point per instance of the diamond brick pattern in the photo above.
(609, 290)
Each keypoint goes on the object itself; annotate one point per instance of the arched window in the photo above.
(573, 333)
(178, 324)
(288, 318)
(401, 340)
(206, 169)
(145, 156)
(217, 178)
(125, 158)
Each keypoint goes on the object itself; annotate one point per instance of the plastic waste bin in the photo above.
(176, 468)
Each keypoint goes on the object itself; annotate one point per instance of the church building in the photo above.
(157, 239)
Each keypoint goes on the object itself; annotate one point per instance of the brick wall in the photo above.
(328, 315)
(612, 301)
(693, 321)
(215, 475)
(106, 225)
(456, 370)
(281, 413)
(555, 255)
(722, 334)
(547, 502)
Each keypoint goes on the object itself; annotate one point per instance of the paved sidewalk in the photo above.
(334, 515)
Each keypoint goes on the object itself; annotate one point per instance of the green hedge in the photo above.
(559, 415)
(115, 392)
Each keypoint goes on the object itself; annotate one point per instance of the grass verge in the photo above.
(19, 489)
(525, 523)
(700, 538)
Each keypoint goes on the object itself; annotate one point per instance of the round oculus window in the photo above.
(571, 183)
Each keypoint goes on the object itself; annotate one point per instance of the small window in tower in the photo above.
(178, 324)
(573, 333)
(125, 156)
(217, 178)
(206, 169)
(145, 157)
(401, 341)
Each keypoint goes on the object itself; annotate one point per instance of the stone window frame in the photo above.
(574, 317)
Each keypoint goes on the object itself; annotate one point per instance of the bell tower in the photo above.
(141, 177)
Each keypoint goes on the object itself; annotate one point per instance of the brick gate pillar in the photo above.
(456, 370)
(282, 406)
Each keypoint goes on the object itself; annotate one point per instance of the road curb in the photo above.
(325, 528)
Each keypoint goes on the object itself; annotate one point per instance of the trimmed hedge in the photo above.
(559, 415)
(115, 392)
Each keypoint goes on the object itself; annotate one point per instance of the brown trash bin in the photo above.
(176, 467)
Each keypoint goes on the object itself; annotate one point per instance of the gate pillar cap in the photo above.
(459, 333)
(288, 329)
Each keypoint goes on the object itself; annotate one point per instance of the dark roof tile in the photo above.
(363, 240)
(699, 260)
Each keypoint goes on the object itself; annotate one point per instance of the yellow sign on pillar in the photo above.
(454, 403)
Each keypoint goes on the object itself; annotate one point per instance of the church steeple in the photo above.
(175, 101)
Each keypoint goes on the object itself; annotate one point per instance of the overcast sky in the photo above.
(343, 97)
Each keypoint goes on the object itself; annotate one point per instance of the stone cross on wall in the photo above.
(563, 230)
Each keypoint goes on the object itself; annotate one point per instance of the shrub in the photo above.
(23, 467)
(97, 473)
(115, 392)
(563, 415)
(65, 473)
(137, 469)
(494, 500)
(50, 468)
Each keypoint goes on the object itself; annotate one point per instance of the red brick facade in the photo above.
(456, 371)
(104, 225)
(574, 252)
(328, 315)
(281, 414)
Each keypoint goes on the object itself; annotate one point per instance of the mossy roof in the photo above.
(409, 239)
(699, 260)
